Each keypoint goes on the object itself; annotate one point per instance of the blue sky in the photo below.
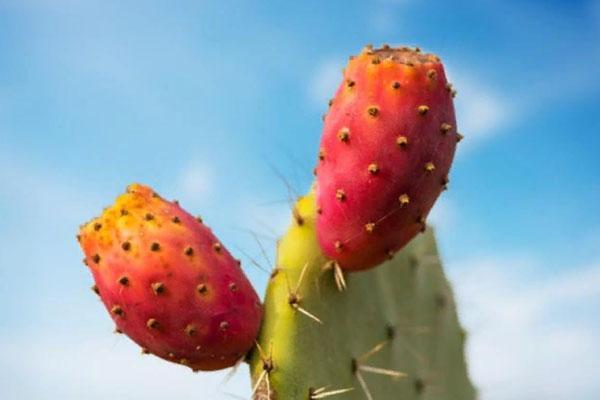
(205, 100)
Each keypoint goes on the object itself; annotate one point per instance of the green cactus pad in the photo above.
(397, 319)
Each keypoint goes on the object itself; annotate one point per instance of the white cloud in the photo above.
(325, 80)
(530, 337)
(195, 183)
(106, 366)
(481, 111)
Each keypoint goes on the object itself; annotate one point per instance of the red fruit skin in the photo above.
(193, 307)
(391, 116)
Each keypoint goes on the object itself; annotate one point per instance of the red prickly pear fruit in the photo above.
(387, 146)
(169, 284)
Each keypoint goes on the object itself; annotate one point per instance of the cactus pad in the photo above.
(393, 333)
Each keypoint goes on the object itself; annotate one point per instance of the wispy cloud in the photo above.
(194, 184)
(105, 366)
(482, 112)
(529, 336)
(325, 80)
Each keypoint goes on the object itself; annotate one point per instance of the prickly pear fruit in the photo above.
(169, 284)
(387, 145)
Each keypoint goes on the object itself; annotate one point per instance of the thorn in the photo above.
(97, 226)
(344, 134)
(297, 217)
(321, 155)
(373, 111)
(96, 258)
(95, 289)
(432, 74)
(376, 349)
(340, 195)
(158, 288)
(449, 87)
(421, 221)
(190, 330)
(233, 287)
(422, 110)
(376, 60)
(199, 219)
(404, 199)
(117, 331)
(363, 385)
(189, 251)
(453, 93)
(396, 85)
(183, 361)
(445, 128)
(373, 169)
(370, 227)
(350, 83)
(301, 278)
(330, 102)
(338, 246)
(217, 247)
(382, 371)
(429, 167)
(145, 351)
(126, 246)
(124, 212)
(321, 393)
(152, 323)
(445, 182)
(459, 137)
(308, 314)
(402, 141)
(261, 377)
(202, 288)
(155, 246)
(262, 248)
(123, 281)
(149, 217)
(338, 275)
(117, 310)
(176, 220)
(294, 298)
(224, 325)
(390, 254)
